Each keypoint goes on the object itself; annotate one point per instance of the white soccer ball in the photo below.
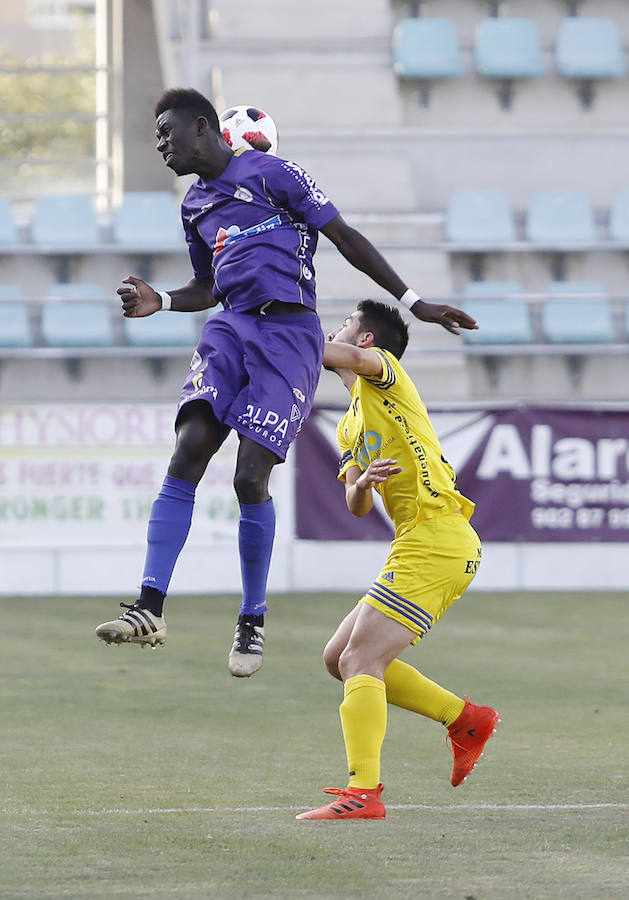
(249, 127)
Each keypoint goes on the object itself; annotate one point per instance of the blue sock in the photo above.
(256, 531)
(171, 515)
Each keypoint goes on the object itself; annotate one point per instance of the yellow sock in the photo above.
(364, 720)
(408, 688)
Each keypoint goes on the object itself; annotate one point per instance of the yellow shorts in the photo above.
(427, 569)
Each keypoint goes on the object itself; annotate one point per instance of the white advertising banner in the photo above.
(84, 475)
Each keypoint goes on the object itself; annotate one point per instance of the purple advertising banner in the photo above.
(536, 474)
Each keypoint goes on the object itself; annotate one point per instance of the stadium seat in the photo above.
(572, 321)
(589, 48)
(499, 322)
(556, 217)
(15, 326)
(8, 232)
(10, 292)
(71, 322)
(619, 218)
(483, 289)
(148, 219)
(479, 217)
(568, 288)
(75, 290)
(507, 48)
(171, 329)
(426, 49)
(65, 220)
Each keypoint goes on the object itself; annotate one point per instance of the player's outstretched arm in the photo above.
(361, 253)
(337, 355)
(358, 485)
(140, 299)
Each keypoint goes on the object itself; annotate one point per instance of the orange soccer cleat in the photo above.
(468, 736)
(352, 803)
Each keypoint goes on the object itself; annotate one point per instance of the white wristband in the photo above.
(167, 300)
(409, 298)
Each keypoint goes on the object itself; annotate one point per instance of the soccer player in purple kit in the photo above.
(251, 222)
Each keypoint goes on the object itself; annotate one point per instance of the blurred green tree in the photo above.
(26, 98)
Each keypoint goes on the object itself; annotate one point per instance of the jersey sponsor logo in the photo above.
(198, 380)
(299, 394)
(199, 391)
(243, 193)
(416, 446)
(315, 195)
(371, 444)
(231, 234)
(471, 567)
(255, 416)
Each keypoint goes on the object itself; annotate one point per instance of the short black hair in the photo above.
(389, 328)
(188, 100)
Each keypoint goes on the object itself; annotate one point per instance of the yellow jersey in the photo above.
(387, 419)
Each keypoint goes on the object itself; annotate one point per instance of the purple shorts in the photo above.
(259, 373)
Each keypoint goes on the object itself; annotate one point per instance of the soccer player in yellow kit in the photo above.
(388, 444)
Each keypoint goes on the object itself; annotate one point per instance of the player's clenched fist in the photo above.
(139, 299)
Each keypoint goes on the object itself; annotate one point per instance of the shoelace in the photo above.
(451, 743)
(343, 792)
(130, 605)
(245, 634)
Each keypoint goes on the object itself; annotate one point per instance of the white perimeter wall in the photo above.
(302, 566)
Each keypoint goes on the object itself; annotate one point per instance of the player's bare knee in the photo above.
(190, 457)
(251, 485)
(197, 441)
(331, 660)
(251, 480)
(350, 663)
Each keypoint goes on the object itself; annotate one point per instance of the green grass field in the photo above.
(138, 773)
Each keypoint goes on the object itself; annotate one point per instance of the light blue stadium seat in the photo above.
(75, 290)
(484, 289)
(77, 324)
(507, 48)
(619, 218)
(8, 233)
(65, 220)
(589, 48)
(560, 217)
(10, 292)
(15, 326)
(577, 321)
(171, 329)
(499, 322)
(426, 48)
(557, 288)
(479, 217)
(148, 219)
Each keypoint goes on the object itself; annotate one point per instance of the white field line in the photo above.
(489, 807)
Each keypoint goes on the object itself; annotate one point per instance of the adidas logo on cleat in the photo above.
(245, 656)
(352, 803)
(136, 626)
(468, 736)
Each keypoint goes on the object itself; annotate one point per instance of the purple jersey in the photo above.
(254, 230)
